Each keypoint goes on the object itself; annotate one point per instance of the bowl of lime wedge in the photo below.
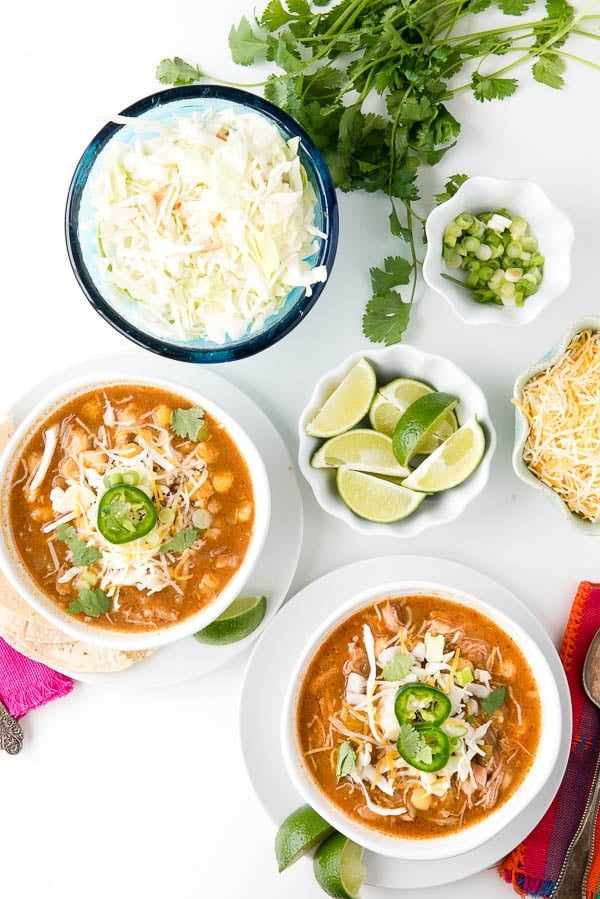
(396, 440)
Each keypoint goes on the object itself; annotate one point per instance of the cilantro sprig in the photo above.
(346, 759)
(189, 423)
(332, 62)
(82, 555)
(183, 539)
(91, 602)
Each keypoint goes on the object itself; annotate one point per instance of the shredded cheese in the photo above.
(563, 412)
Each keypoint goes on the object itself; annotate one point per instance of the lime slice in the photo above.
(348, 403)
(338, 867)
(300, 831)
(237, 621)
(361, 449)
(452, 462)
(394, 398)
(375, 498)
(419, 422)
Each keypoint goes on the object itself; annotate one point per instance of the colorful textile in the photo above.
(534, 866)
(25, 685)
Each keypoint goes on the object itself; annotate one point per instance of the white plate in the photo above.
(270, 668)
(276, 566)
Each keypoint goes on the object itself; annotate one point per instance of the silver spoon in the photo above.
(11, 732)
(578, 859)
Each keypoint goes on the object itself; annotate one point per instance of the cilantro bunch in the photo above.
(334, 60)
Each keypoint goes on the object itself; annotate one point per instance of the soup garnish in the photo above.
(417, 713)
(131, 507)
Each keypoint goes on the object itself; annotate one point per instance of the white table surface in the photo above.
(116, 792)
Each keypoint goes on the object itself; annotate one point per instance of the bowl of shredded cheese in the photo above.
(202, 223)
(557, 426)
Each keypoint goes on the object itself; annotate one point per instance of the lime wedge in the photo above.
(394, 398)
(452, 462)
(237, 621)
(298, 834)
(348, 403)
(338, 867)
(419, 422)
(361, 449)
(375, 498)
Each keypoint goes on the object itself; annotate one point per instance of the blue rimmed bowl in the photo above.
(522, 470)
(127, 316)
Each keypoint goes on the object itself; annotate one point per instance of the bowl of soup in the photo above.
(414, 721)
(133, 510)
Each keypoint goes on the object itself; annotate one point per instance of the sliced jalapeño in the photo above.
(419, 704)
(125, 513)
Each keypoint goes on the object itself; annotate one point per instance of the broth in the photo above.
(196, 495)
(357, 736)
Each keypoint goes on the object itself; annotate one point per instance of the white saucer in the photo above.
(276, 567)
(270, 667)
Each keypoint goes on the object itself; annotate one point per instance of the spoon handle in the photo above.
(570, 880)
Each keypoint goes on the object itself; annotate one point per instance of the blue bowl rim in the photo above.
(265, 338)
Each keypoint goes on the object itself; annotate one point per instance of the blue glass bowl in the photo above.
(127, 316)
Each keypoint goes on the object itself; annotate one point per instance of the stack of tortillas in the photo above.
(32, 635)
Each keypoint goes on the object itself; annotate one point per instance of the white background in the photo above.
(132, 793)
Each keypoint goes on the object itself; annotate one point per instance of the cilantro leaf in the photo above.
(274, 16)
(178, 72)
(494, 700)
(244, 44)
(189, 423)
(515, 7)
(82, 555)
(492, 88)
(397, 271)
(412, 747)
(386, 318)
(91, 602)
(396, 228)
(183, 539)
(450, 187)
(346, 759)
(398, 667)
(549, 70)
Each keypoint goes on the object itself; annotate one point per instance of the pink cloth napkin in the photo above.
(25, 685)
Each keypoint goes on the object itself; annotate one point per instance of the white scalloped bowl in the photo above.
(389, 363)
(551, 227)
(520, 467)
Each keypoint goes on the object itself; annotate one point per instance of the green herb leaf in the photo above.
(515, 7)
(398, 229)
(346, 759)
(492, 88)
(91, 602)
(274, 16)
(82, 555)
(183, 539)
(494, 700)
(397, 272)
(412, 745)
(386, 318)
(450, 187)
(244, 44)
(549, 70)
(178, 72)
(189, 423)
(398, 667)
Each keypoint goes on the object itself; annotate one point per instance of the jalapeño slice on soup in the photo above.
(131, 507)
(418, 716)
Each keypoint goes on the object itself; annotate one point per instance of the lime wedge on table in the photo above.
(338, 867)
(362, 449)
(299, 833)
(419, 422)
(375, 498)
(452, 462)
(348, 403)
(394, 398)
(237, 621)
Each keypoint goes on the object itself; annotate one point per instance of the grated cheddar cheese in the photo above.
(562, 407)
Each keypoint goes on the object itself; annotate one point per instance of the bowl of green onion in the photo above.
(498, 251)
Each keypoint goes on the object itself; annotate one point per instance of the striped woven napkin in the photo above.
(534, 866)
(25, 685)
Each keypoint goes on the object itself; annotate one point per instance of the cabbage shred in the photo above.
(207, 225)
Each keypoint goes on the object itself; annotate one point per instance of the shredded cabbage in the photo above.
(208, 224)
